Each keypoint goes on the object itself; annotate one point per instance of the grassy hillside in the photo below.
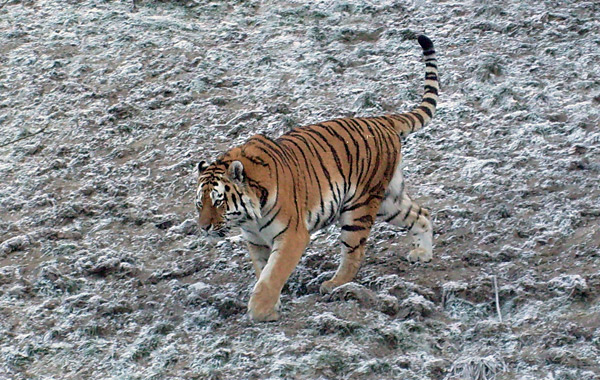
(105, 109)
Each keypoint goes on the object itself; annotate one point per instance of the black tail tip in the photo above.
(425, 43)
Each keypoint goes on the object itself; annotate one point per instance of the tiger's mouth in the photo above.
(216, 235)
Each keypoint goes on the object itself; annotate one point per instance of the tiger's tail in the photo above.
(416, 119)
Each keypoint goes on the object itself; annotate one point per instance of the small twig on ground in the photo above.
(497, 299)
(24, 137)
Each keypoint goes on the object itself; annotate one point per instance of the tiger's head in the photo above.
(223, 198)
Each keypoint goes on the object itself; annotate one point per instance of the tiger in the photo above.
(280, 191)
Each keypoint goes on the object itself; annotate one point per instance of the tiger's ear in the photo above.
(202, 165)
(236, 172)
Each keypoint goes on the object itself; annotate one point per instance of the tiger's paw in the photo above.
(264, 315)
(261, 306)
(327, 287)
(419, 254)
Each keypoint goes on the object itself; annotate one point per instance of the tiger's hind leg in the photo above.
(356, 226)
(402, 211)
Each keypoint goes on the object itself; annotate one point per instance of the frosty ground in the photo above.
(105, 109)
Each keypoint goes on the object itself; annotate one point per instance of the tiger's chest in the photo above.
(265, 230)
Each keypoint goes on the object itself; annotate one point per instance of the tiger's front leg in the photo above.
(259, 254)
(286, 253)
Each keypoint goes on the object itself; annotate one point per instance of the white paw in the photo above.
(420, 254)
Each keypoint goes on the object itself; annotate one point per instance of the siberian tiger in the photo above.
(280, 191)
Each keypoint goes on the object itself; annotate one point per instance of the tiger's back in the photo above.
(279, 191)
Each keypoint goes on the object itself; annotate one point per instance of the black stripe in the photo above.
(411, 225)
(258, 245)
(352, 248)
(349, 157)
(415, 220)
(418, 116)
(431, 89)
(400, 193)
(353, 228)
(311, 149)
(413, 120)
(347, 245)
(264, 193)
(294, 176)
(426, 110)
(270, 220)
(332, 214)
(336, 158)
(360, 165)
(323, 166)
(300, 175)
(407, 213)
(275, 158)
(371, 161)
(272, 153)
(365, 219)
(290, 161)
(430, 101)
(361, 204)
(352, 131)
(281, 232)
(380, 131)
(403, 120)
(389, 121)
(391, 149)
(254, 160)
(238, 195)
(394, 215)
(317, 223)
